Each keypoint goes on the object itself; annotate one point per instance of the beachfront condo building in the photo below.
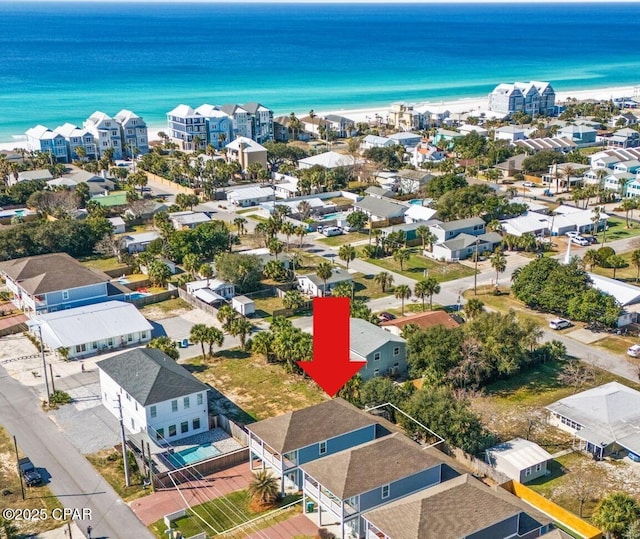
(42, 139)
(77, 138)
(106, 132)
(133, 133)
(532, 98)
(261, 121)
(219, 125)
(242, 126)
(187, 128)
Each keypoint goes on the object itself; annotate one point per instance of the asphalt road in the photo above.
(71, 477)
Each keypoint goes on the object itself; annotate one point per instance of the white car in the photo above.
(559, 323)
(579, 240)
(573, 234)
(634, 351)
(529, 184)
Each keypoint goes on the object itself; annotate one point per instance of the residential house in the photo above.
(464, 245)
(264, 256)
(384, 352)
(626, 119)
(403, 116)
(76, 137)
(155, 395)
(133, 131)
(283, 443)
(188, 219)
(379, 192)
(409, 229)
(511, 166)
(462, 507)
(329, 160)
(114, 200)
(375, 141)
(520, 460)
(286, 186)
(137, 242)
(512, 133)
(106, 133)
(211, 290)
(250, 196)
(626, 295)
(261, 121)
(412, 181)
(532, 98)
(29, 176)
(347, 484)
(117, 224)
(219, 125)
(92, 329)
(98, 184)
(530, 222)
(187, 128)
(617, 182)
(342, 127)
(445, 138)
(406, 139)
(558, 144)
(419, 214)
(42, 139)
(425, 153)
(49, 283)
(467, 129)
(314, 286)
(422, 320)
(444, 231)
(632, 166)
(604, 420)
(378, 209)
(581, 135)
(246, 151)
(565, 174)
(623, 138)
(283, 132)
(568, 218)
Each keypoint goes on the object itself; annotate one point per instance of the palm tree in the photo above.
(265, 488)
(347, 253)
(591, 258)
(214, 337)
(324, 271)
(301, 232)
(241, 328)
(262, 343)
(616, 262)
(275, 247)
(288, 229)
(402, 292)
(473, 308)
(191, 263)
(498, 262)
(383, 280)
(428, 238)
(198, 334)
(312, 115)
(427, 287)
(401, 256)
(628, 205)
(240, 223)
(635, 260)
(304, 210)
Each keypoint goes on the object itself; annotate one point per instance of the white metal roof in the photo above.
(248, 193)
(90, 323)
(624, 294)
(207, 295)
(520, 453)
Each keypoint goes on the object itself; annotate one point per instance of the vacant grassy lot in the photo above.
(418, 266)
(257, 388)
(505, 302)
(36, 497)
(266, 306)
(218, 516)
(628, 274)
(165, 309)
(351, 237)
(618, 229)
(108, 462)
(103, 264)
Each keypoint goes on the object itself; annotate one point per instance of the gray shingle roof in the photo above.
(50, 273)
(338, 276)
(371, 465)
(380, 207)
(311, 425)
(428, 514)
(366, 337)
(461, 223)
(462, 241)
(150, 376)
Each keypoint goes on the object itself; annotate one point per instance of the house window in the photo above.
(130, 337)
(159, 434)
(186, 403)
(174, 406)
(196, 423)
(94, 345)
(199, 399)
(65, 294)
(184, 427)
(385, 491)
(538, 467)
(133, 424)
(376, 356)
(322, 447)
(376, 372)
(172, 430)
(527, 472)
(110, 342)
(396, 351)
(81, 348)
(143, 335)
(153, 412)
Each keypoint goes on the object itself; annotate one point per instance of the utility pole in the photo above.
(44, 366)
(475, 272)
(53, 386)
(127, 480)
(15, 444)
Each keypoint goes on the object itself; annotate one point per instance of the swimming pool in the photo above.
(416, 201)
(193, 454)
(334, 216)
(138, 295)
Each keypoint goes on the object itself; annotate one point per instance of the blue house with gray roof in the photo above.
(385, 353)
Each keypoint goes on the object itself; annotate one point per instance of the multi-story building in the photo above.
(75, 138)
(246, 151)
(261, 121)
(219, 125)
(106, 132)
(42, 139)
(133, 133)
(531, 98)
(187, 128)
(241, 120)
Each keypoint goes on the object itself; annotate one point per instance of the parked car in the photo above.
(547, 193)
(560, 323)
(572, 233)
(634, 351)
(29, 473)
(591, 239)
(319, 228)
(332, 231)
(529, 184)
(579, 240)
(385, 316)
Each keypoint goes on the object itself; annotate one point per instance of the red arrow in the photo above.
(331, 367)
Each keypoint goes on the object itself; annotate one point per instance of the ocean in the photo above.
(62, 61)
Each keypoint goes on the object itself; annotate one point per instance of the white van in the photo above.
(331, 231)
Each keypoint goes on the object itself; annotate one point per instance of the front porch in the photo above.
(327, 511)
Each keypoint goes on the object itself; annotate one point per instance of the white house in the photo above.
(530, 222)
(519, 459)
(138, 242)
(375, 141)
(314, 286)
(42, 139)
(133, 130)
(188, 219)
(86, 331)
(250, 196)
(512, 133)
(406, 139)
(157, 395)
(426, 153)
(118, 224)
(106, 133)
(327, 160)
(211, 290)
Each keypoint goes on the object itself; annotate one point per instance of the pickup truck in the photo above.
(29, 473)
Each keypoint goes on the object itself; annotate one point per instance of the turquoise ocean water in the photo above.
(62, 61)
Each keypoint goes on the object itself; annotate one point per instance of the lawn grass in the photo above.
(366, 288)
(166, 308)
(617, 344)
(417, 266)
(220, 516)
(618, 230)
(309, 262)
(258, 388)
(108, 462)
(627, 274)
(342, 239)
(266, 306)
(103, 264)
(505, 302)
(37, 498)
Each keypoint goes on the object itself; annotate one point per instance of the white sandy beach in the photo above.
(459, 105)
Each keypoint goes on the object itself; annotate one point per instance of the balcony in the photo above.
(271, 458)
(328, 502)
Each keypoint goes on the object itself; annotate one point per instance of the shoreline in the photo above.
(466, 104)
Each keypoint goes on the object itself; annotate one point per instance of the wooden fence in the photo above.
(173, 186)
(197, 303)
(232, 428)
(154, 298)
(479, 466)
